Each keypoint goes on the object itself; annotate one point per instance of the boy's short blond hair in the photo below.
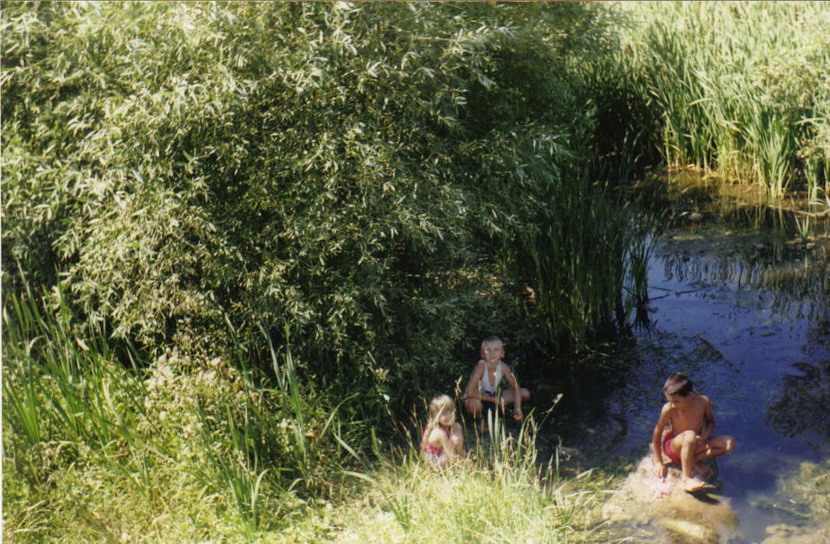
(492, 340)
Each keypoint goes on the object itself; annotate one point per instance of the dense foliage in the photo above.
(380, 179)
(233, 232)
(743, 88)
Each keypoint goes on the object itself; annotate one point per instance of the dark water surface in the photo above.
(742, 309)
(739, 300)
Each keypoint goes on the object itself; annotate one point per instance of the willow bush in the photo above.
(377, 179)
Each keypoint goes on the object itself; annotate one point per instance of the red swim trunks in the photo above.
(667, 449)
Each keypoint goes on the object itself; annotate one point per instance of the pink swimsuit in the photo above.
(667, 449)
(428, 448)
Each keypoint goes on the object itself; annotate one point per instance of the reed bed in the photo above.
(741, 87)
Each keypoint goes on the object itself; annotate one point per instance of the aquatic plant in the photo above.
(738, 87)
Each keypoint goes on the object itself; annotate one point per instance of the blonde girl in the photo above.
(442, 440)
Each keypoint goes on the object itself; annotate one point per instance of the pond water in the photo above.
(740, 301)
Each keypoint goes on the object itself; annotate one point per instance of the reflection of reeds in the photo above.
(799, 289)
(801, 393)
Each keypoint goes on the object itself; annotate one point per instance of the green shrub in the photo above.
(374, 177)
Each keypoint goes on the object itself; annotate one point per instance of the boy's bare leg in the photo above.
(474, 407)
(687, 455)
(684, 446)
(509, 397)
(714, 447)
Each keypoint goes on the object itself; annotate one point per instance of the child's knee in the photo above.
(686, 437)
(473, 407)
(730, 443)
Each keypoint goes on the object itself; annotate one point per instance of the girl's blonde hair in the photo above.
(437, 406)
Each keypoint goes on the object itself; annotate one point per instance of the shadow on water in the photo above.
(739, 294)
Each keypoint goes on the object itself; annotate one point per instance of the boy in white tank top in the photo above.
(483, 387)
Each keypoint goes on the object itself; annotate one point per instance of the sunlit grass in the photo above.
(187, 451)
(501, 493)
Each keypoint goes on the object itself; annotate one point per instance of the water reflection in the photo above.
(798, 288)
(802, 407)
(727, 234)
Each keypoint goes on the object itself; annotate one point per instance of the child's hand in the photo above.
(517, 414)
(661, 470)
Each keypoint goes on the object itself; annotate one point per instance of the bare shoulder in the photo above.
(665, 413)
(703, 400)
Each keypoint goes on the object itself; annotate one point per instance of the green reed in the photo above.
(60, 386)
(739, 87)
(587, 252)
(178, 438)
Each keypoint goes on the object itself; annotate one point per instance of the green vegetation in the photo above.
(368, 177)
(241, 241)
(97, 451)
(739, 87)
(197, 450)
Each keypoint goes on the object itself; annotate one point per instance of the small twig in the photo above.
(671, 292)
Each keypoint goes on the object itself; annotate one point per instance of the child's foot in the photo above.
(704, 472)
(694, 484)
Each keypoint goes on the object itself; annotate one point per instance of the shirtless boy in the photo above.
(683, 434)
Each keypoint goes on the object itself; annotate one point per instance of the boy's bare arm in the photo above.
(472, 386)
(708, 420)
(514, 383)
(657, 435)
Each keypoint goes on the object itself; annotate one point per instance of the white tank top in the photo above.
(485, 386)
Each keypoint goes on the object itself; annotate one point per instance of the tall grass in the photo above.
(739, 86)
(501, 493)
(61, 387)
(98, 445)
(181, 450)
